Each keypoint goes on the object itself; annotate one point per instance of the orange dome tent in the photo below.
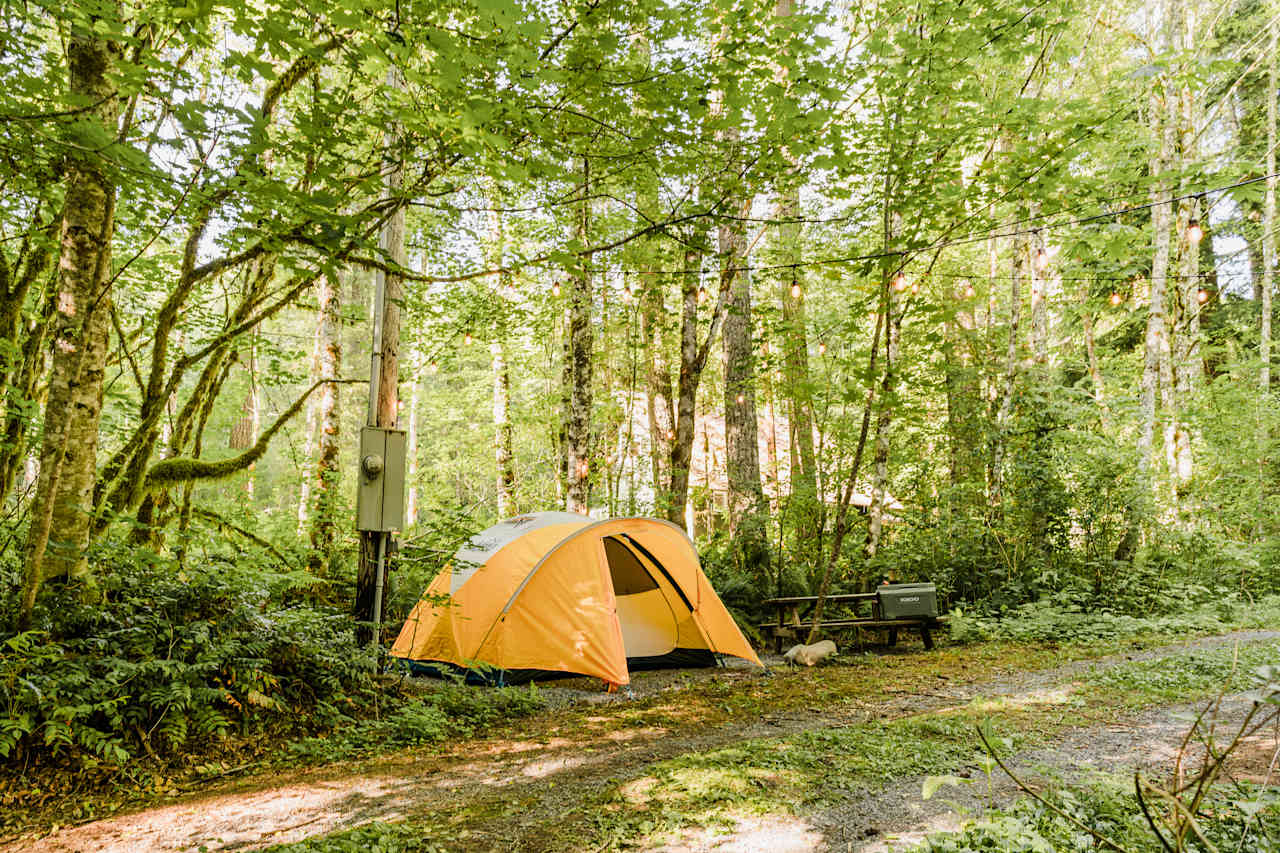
(554, 593)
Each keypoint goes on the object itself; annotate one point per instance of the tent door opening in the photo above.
(648, 622)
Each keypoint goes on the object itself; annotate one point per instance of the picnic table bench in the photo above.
(795, 617)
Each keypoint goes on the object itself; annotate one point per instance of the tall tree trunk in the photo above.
(324, 520)
(578, 418)
(313, 408)
(503, 440)
(69, 444)
(742, 450)
(1039, 303)
(693, 359)
(884, 425)
(1004, 410)
(658, 404)
(1091, 353)
(1155, 343)
(411, 445)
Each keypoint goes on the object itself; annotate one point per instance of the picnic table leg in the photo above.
(893, 636)
(927, 636)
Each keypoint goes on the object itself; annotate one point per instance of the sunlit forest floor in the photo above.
(735, 759)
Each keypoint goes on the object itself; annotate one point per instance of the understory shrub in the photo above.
(1056, 621)
(177, 656)
(446, 713)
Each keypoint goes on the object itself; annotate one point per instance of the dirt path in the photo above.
(541, 780)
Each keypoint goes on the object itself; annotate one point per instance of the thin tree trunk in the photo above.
(841, 527)
(1155, 343)
(1005, 409)
(657, 388)
(1268, 266)
(1095, 371)
(309, 437)
(503, 440)
(69, 444)
(324, 521)
(578, 417)
(884, 423)
(411, 446)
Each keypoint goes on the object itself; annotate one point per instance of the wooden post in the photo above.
(384, 366)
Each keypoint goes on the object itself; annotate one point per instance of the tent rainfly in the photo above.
(555, 593)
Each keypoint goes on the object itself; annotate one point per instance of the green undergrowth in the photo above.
(1182, 677)
(1236, 818)
(411, 836)
(448, 713)
(1066, 622)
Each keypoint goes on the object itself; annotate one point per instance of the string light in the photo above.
(969, 292)
(702, 295)
(671, 435)
(1116, 298)
(435, 366)
(626, 292)
(915, 287)
(1194, 232)
(1042, 259)
(822, 349)
(555, 289)
(1202, 296)
(466, 339)
(900, 282)
(741, 399)
(795, 290)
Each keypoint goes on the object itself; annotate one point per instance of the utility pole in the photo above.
(380, 497)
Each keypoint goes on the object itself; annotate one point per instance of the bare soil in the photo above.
(517, 789)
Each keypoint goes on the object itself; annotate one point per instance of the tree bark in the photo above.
(742, 451)
(69, 443)
(884, 423)
(1004, 411)
(503, 440)
(326, 478)
(1155, 342)
(578, 417)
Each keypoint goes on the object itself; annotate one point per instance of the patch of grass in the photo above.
(411, 836)
(1182, 677)
(802, 771)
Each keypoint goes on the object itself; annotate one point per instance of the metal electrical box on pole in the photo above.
(381, 491)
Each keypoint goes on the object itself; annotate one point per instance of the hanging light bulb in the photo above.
(1042, 260)
(1194, 232)
(915, 287)
(555, 289)
(702, 295)
(435, 366)
(1116, 298)
(741, 399)
(822, 349)
(1202, 296)
(900, 282)
(626, 292)
(969, 292)
(795, 290)
(671, 436)
(466, 339)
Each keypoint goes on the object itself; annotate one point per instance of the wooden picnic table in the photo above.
(795, 612)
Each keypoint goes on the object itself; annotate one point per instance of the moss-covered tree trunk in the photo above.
(60, 513)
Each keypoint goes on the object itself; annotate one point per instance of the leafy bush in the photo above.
(175, 657)
(1063, 621)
